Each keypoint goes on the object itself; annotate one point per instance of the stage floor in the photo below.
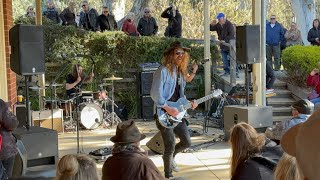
(205, 161)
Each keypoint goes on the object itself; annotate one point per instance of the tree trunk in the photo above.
(119, 9)
(305, 13)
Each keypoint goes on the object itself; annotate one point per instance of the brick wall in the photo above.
(11, 76)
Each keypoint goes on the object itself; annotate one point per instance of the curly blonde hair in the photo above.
(287, 169)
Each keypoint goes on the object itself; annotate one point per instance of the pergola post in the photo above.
(207, 66)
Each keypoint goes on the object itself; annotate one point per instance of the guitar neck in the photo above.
(199, 101)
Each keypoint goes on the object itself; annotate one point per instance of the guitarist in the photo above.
(168, 85)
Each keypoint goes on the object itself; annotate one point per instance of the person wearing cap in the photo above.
(88, 17)
(300, 110)
(147, 25)
(51, 13)
(128, 160)
(168, 84)
(68, 15)
(174, 28)
(274, 37)
(106, 21)
(225, 31)
(302, 142)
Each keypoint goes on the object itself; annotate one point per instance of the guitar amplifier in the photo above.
(43, 119)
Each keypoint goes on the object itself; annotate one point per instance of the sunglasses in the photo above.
(147, 12)
(84, 5)
(105, 11)
(272, 18)
(180, 53)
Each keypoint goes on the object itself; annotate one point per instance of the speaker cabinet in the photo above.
(259, 117)
(27, 49)
(156, 144)
(248, 44)
(145, 79)
(146, 108)
(20, 110)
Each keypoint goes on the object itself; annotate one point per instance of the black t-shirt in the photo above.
(176, 94)
(70, 80)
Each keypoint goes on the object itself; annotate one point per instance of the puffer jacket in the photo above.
(313, 34)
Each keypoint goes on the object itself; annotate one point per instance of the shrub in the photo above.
(299, 61)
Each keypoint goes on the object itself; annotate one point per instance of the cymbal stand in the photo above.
(113, 114)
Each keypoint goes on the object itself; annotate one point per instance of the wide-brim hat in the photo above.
(302, 141)
(127, 132)
(174, 45)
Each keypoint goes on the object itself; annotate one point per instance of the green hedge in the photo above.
(299, 61)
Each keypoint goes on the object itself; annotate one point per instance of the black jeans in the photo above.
(270, 75)
(171, 148)
(8, 165)
(275, 52)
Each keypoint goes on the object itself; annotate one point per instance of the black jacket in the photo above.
(174, 27)
(147, 26)
(225, 32)
(313, 34)
(68, 17)
(52, 14)
(106, 23)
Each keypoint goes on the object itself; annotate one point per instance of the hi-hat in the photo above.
(112, 78)
(36, 88)
(54, 85)
(105, 84)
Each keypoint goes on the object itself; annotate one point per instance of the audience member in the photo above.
(249, 160)
(106, 21)
(283, 43)
(77, 167)
(147, 25)
(30, 12)
(293, 35)
(301, 111)
(270, 77)
(274, 35)
(88, 17)
(129, 27)
(128, 160)
(68, 15)
(225, 31)
(174, 28)
(8, 123)
(51, 13)
(314, 33)
(313, 80)
(287, 169)
(302, 142)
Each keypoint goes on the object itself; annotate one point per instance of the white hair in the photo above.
(130, 15)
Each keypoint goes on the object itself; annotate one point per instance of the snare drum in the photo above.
(91, 115)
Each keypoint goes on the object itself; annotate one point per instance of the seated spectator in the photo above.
(128, 25)
(314, 33)
(302, 142)
(51, 13)
(147, 25)
(300, 110)
(68, 15)
(30, 12)
(313, 80)
(106, 21)
(88, 17)
(249, 159)
(128, 160)
(287, 169)
(8, 123)
(77, 167)
(293, 36)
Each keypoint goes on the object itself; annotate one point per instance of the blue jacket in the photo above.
(274, 35)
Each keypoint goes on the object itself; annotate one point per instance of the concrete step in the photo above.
(280, 102)
(277, 119)
(281, 111)
(279, 85)
(283, 93)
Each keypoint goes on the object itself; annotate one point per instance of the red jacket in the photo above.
(129, 28)
(314, 81)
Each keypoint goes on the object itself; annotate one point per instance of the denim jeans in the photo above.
(275, 52)
(315, 101)
(226, 61)
(171, 149)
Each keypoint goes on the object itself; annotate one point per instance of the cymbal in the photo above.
(54, 85)
(105, 84)
(112, 78)
(36, 88)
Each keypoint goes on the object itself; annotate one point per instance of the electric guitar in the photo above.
(182, 105)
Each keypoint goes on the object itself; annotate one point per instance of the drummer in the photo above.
(76, 79)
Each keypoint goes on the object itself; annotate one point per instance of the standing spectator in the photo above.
(51, 13)
(128, 160)
(283, 43)
(106, 21)
(314, 33)
(68, 15)
(274, 35)
(147, 25)
(8, 123)
(88, 17)
(313, 80)
(128, 25)
(30, 12)
(293, 35)
(270, 77)
(174, 17)
(225, 31)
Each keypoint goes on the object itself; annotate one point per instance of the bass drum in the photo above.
(91, 115)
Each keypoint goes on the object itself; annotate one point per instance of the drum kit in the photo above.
(90, 108)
